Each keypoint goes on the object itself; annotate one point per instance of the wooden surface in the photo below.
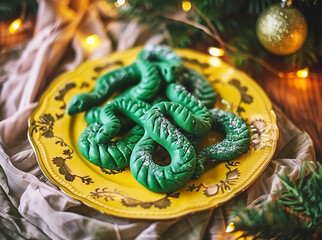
(301, 101)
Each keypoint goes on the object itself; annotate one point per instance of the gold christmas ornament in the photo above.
(281, 30)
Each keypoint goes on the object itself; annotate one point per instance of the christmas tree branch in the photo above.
(222, 20)
(214, 31)
(221, 42)
(296, 214)
(190, 23)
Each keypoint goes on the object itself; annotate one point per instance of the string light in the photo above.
(216, 52)
(119, 3)
(303, 73)
(230, 227)
(212, 32)
(92, 41)
(14, 26)
(186, 6)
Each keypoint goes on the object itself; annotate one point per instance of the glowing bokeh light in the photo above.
(90, 40)
(186, 6)
(216, 52)
(15, 25)
(230, 227)
(303, 73)
(119, 3)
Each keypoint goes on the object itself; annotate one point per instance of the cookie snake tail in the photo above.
(198, 86)
(114, 155)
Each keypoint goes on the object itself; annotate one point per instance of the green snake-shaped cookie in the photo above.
(158, 130)
(146, 89)
(106, 85)
(161, 56)
(169, 178)
(95, 141)
(235, 143)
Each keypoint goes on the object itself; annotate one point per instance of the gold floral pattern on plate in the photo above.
(54, 136)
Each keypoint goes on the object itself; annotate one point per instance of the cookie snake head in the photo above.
(168, 71)
(78, 103)
(165, 58)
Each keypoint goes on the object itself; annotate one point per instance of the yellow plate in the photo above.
(54, 136)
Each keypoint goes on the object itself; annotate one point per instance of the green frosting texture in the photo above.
(164, 105)
(113, 155)
(235, 142)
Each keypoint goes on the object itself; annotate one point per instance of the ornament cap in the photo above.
(286, 3)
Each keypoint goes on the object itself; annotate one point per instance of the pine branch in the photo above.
(229, 24)
(247, 43)
(304, 199)
(297, 214)
(306, 2)
(271, 222)
(257, 6)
